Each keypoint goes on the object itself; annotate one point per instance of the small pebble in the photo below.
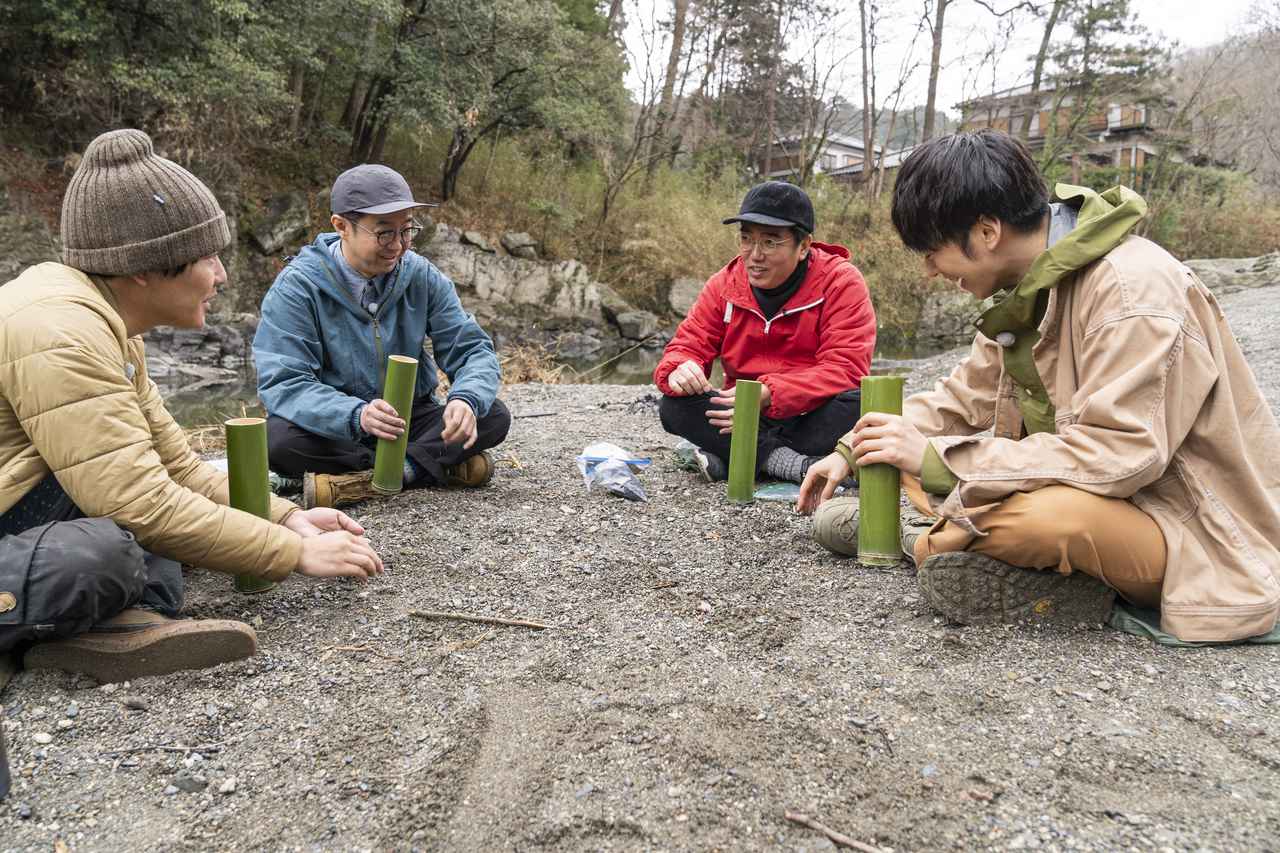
(73, 710)
(189, 782)
(64, 723)
(135, 703)
(42, 737)
(228, 786)
(170, 790)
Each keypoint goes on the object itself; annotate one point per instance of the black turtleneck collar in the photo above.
(771, 301)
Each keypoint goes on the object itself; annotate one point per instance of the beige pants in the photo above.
(1061, 528)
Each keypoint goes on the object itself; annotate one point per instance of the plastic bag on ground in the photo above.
(614, 469)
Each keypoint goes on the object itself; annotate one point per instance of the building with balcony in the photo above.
(1120, 132)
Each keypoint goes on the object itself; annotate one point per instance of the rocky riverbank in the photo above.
(708, 667)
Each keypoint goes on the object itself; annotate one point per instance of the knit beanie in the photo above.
(128, 210)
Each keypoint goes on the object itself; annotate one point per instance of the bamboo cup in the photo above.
(742, 444)
(880, 485)
(248, 482)
(388, 463)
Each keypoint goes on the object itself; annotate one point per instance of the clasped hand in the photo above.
(333, 545)
(688, 379)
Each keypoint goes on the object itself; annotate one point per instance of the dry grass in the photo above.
(530, 363)
(211, 438)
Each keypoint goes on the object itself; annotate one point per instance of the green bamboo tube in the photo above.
(388, 463)
(248, 482)
(880, 485)
(742, 444)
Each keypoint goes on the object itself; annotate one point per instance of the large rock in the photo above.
(636, 325)
(946, 319)
(476, 239)
(285, 219)
(611, 304)
(562, 289)
(24, 241)
(223, 344)
(520, 244)
(683, 293)
(1226, 275)
(578, 345)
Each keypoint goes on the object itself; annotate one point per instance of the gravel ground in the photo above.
(709, 667)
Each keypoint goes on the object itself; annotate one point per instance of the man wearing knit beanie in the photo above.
(101, 496)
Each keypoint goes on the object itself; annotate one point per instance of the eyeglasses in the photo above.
(767, 245)
(387, 236)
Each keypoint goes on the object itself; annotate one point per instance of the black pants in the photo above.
(812, 434)
(62, 573)
(293, 451)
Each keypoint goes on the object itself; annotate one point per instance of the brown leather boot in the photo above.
(335, 490)
(470, 473)
(136, 642)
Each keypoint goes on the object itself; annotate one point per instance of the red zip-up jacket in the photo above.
(817, 346)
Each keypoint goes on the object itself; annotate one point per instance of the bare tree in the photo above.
(935, 66)
(1037, 70)
(662, 116)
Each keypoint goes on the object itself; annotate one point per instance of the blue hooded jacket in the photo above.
(321, 356)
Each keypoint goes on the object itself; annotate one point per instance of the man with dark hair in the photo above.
(789, 312)
(1105, 434)
(334, 314)
(92, 467)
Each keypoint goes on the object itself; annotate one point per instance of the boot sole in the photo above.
(160, 650)
(973, 589)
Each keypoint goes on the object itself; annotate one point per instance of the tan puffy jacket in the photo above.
(75, 399)
(1153, 401)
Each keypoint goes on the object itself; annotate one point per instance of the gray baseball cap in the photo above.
(370, 188)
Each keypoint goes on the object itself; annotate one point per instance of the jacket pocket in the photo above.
(1170, 496)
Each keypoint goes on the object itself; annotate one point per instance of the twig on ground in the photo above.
(463, 645)
(484, 620)
(837, 838)
(157, 747)
(537, 415)
(328, 652)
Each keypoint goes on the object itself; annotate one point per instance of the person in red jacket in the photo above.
(789, 312)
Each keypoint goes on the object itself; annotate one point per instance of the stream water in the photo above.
(210, 403)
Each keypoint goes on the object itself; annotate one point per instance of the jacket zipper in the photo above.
(381, 367)
(728, 312)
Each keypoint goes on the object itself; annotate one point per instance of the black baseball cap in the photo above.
(776, 203)
(370, 188)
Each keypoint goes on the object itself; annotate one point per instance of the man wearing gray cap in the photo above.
(92, 467)
(349, 300)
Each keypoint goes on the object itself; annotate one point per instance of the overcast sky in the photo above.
(970, 35)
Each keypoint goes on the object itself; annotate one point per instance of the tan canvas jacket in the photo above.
(75, 400)
(1153, 402)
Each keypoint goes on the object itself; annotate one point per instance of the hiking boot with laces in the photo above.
(974, 589)
(470, 473)
(335, 490)
(137, 643)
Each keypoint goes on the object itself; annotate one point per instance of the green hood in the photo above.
(1103, 222)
